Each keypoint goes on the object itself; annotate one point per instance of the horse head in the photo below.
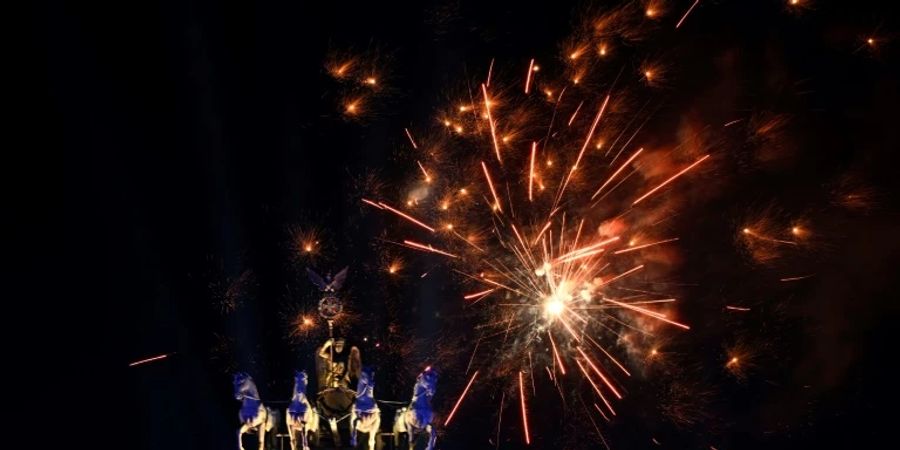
(426, 382)
(301, 379)
(366, 384)
(243, 385)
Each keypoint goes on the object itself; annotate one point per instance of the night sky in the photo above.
(200, 136)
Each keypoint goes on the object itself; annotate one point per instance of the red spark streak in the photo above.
(617, 172)
(608, 355)
(461, 397)
(528, 77)
(524, 415)
(487, 108)
(594, 385)
(647, 312)
(144, 361)
(683, 171)
(686, 14)
(405, 216)
(597, 371)
(491, 185)
(428, 248)
(562, 368)
(531, 170)
(627, 272)
(370, 202)
(586, 142)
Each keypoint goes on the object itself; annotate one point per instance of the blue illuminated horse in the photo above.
(365, 415)
(301, 417)
(254, 415)
(415, 419)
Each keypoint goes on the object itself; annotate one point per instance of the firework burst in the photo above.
(537, 192)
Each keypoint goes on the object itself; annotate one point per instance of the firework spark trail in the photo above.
(596, 388)
(599, 373)
(403, 215)
(686, 14)
(572, 119)
(151, 359)
(617, 172)
(428, 248)
(490, 118)
(461, 397)
(611, 358)
(672, 178)
(639, 247)
(371, 203)
(490, 183)
(562, 367)
(531, 171)
(587, 141)
(479, 294)
(524, 410)
(649, 313)
(411, 140)
(424, 172)
(528, 76)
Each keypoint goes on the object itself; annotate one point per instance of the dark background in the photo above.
(196, 133)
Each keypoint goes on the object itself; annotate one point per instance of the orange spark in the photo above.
(531, 170)
(528, 77)
(491, 185)
(487, 108)
(672, 178)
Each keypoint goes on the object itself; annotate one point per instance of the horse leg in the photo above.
(354, 422)
(262, 436)
(241, 432)
(374, 430)
(431, 436)
(398, 424)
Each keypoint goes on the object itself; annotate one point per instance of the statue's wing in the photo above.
(339, 279)
(316, 279)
